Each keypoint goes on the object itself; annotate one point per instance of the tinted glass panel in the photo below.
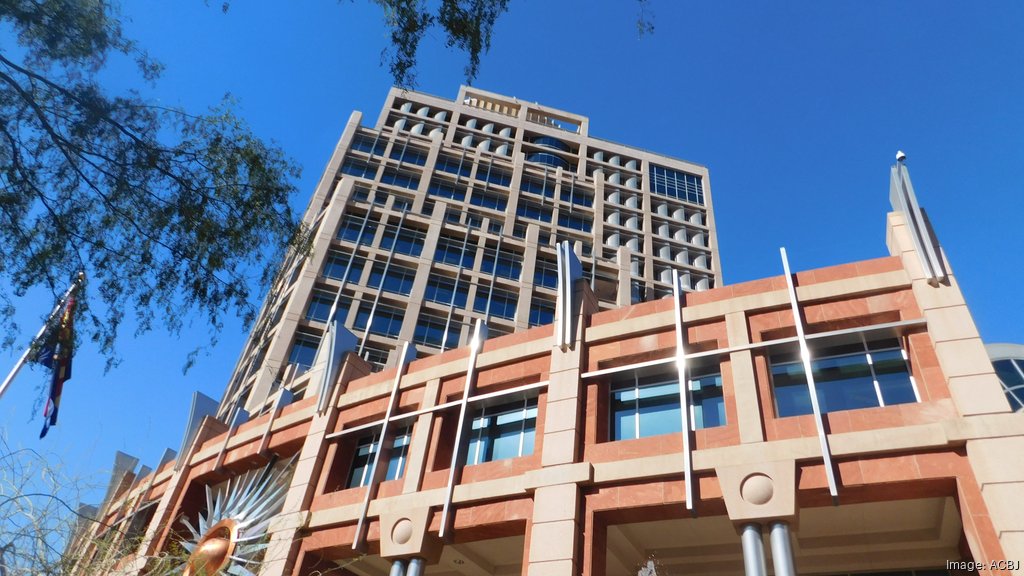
(843, 382)
(503, 432)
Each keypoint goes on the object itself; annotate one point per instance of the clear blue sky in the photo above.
(797, 108)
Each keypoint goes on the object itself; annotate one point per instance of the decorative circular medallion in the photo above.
(757, 489)
(401, 533)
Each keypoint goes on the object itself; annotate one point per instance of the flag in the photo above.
(59, 362)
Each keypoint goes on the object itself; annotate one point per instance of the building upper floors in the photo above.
(448, 211)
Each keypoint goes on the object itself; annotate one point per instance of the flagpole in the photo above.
(53, 314)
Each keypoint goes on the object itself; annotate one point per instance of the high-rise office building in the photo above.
(448, 211)
(837, 421)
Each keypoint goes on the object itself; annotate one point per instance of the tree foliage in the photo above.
(467, 25)
(169, 213)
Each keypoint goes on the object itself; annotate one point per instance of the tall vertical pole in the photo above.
(753, 550)
(805, 356)
(782, 550)
(75, 284)
(684, 388)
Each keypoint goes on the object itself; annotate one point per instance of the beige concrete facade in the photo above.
(477, 190)
(924, 479)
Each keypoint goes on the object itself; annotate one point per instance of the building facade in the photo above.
(842, 420)
(448, 211)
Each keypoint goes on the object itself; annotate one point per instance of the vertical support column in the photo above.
(782, 549)
(753, 550)
(416, 566)
(976, 393)
(285, 528)
(397, 568)
(416, 461)
(555, 524)
(744, 381)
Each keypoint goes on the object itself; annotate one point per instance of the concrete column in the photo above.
(974, 389)
(744, 381)
(753, 550)
(285, 528)
(416, 566)
(782, 550)
(556, 523)
(416, 458)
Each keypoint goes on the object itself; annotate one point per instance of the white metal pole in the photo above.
(53, 313)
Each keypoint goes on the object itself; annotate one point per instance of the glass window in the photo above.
(549, 142)
(360, 168)
(376, 356)
(370, 144)
(350, 226)
(410, 242)
(489, 200)
(503, 264)
(643, 407)
(430, 330)
(450, 251)
(494, 175)
(320, 305)
(401, 204)
(442, 289)
(360, 194)
(409, 154)
(502, 302)
(538, 186)
(846, 378)
(362, 464)
(403, 179)
(453, 165)
(304, 350)
(706, 401)
(676, 184)
(399, 279)
(387, 320)
(533, 211)
(577, 196)
(506, 431)
(444, 189)
(546, 274)
(548, 159)
(1011, 373)
(338, 261)
(541, 312)
(575, 221)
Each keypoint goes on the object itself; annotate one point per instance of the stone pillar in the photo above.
(556, 523)
(744, 380)
(975, 391)
(284, 528)
(753, 550)
(782, 549)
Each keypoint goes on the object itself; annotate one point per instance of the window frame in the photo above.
(481, 421)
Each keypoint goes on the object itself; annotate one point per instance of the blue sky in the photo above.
(797, 108)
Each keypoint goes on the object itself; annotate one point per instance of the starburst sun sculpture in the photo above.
(232, 533)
